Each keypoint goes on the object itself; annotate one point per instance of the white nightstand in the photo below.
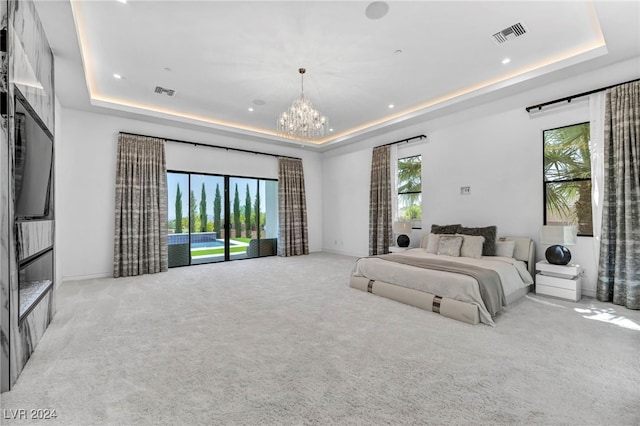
(563, 281)
(396, 249)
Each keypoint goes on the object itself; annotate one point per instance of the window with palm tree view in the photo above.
(213, 218)
(567, 177)
(410, 190)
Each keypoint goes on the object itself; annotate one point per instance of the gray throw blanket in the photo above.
(489, 282)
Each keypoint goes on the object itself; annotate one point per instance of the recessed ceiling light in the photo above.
(331, 130)
(250, 109)
(258, 102)
(398, 52)
(376, 10)
(506, 61)
(123, 1)
(391, 106)
(117, 76)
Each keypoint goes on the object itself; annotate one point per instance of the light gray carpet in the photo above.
(282, 341)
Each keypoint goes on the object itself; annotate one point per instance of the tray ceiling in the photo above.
(233, 66)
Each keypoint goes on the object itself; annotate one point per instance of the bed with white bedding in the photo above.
(470, 289)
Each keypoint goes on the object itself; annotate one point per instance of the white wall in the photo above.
(86, 181)
(495, 148)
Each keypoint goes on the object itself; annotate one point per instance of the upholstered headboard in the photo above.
(526, 251)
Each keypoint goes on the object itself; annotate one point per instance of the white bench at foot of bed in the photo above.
(449, 308)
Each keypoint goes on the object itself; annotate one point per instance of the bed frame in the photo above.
(525, 250)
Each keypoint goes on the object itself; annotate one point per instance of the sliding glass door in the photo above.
(199, 206)
(178, 216)
(206, 219)
(253, 217)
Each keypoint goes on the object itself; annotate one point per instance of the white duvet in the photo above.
(513, 274)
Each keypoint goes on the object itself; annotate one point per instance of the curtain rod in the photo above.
(214, 146)
(569, 98)
(405, 140)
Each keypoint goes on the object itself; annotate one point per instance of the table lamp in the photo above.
(559, 236)
(403, 228)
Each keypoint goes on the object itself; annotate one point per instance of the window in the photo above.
(198, 208)
(410, 190)
(567, 177)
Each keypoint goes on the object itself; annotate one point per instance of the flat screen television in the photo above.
(33, 162)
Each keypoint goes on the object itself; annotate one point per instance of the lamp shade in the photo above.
(402, 227)
(566, 235)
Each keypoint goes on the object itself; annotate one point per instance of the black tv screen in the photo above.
(33, 163)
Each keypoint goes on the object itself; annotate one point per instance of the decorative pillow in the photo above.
(432, 243)
(505, 248)
(489, 233)
(424, 240)
(445, 229)
(471, 246)
(449, 245)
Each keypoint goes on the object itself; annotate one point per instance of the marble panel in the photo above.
(28, 66)
(32, 237)
(33, 327)
(13, 286)
(4, 220)
(32, 60)
(14, 307)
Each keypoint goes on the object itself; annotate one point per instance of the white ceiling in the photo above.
(222, 58)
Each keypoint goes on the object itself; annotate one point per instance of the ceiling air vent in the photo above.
(509, 33)
(163, 91)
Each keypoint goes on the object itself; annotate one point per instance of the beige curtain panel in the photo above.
(293, 239)
(380, 203)
(140, 243)
(619, 268)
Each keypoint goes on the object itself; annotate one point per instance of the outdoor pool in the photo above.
(214, 244)
(208, 244)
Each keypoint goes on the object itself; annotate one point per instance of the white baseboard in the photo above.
(87, 276)
(344, 253)
(110, 274)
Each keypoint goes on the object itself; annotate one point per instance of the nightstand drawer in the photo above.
(557, 282)
(557, 292)
(559, 287)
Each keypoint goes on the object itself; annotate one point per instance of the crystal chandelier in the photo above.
(301, 120)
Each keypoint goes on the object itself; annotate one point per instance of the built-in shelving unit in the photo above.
(27, 221)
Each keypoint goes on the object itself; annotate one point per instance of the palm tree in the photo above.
(410, 183)
(410, 174)
(567, 174)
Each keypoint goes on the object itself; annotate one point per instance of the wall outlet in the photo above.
(465, 190)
